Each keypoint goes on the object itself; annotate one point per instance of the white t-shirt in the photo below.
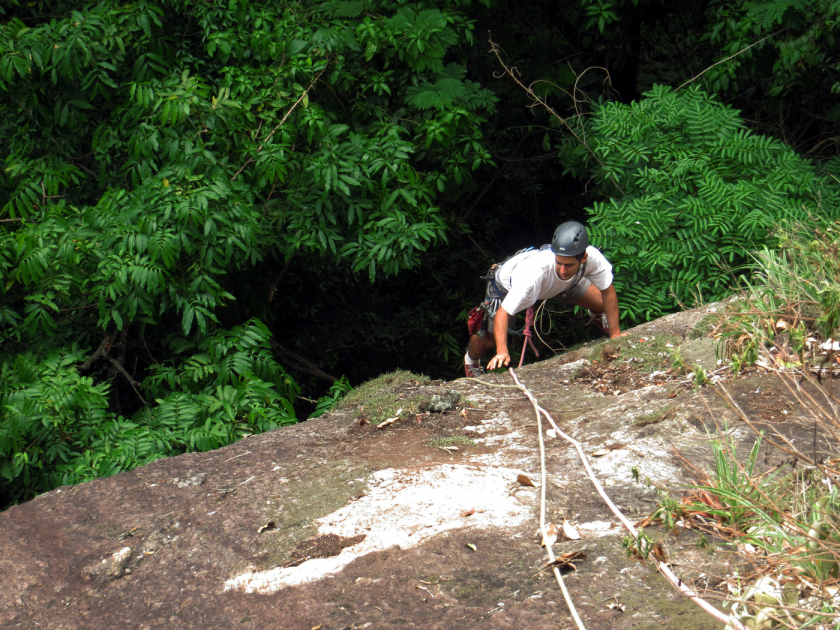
(530, 277)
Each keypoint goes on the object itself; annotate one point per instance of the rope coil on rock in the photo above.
(663, 567)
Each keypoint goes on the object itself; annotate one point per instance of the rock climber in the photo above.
(568, 270)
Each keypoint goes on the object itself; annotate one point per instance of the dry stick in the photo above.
(792, 450)
(235, 456)
(830, 400)
(814, 408)
(102, 349)
(288, 113)
(728, 58)
(495, 50)
(119, 367)
(664, 569)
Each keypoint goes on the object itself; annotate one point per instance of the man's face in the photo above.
(567, 266)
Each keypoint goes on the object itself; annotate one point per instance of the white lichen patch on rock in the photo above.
(404, 508)
(655, 465)
(512, 448)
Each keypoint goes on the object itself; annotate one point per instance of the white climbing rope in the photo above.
(664, 569)
(543, 484)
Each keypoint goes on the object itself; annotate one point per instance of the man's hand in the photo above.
(610, 300)
(619, 334)
(502, 359)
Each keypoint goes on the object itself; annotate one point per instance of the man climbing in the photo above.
(568, 270)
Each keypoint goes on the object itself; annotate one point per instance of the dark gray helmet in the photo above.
(570, 239)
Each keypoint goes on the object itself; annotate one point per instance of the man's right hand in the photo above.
(502, 359)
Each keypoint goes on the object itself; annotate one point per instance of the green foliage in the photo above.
(338, 390)
(55, 427)
(160, 156)
(794, 41)
(791, 304)
(700, 192)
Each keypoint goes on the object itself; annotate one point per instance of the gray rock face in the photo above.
(422, 524)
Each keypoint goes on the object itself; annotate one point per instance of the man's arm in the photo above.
(611, 310)
(500, 329)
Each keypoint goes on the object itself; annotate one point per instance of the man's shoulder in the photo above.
(594, 254)
(592, 250)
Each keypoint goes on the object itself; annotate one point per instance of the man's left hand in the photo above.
(501, 359)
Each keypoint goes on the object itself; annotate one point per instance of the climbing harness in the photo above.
(662, 566)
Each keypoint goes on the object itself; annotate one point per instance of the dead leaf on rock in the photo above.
(525, 480)
(464, 412)
(363, 421)
(387, 422)
(267, 527)
(645, 522)
(564, 561)
(318, 627)
(471, 546)
(672, 395)
(659, 553)
(607, 449)
(550, 536)
(569, 531)
(468, 513)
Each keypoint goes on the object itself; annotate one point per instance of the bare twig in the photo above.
(479, 247)
(235, 456)
(149, 352)
(288, 113)
(134, 384)
(510, 72)
(101, 350)
(728, 58)
(86, 169)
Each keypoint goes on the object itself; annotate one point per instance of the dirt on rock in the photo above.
(335, 523)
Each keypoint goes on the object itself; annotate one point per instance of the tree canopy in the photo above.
(207, 208)
(161, 157)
